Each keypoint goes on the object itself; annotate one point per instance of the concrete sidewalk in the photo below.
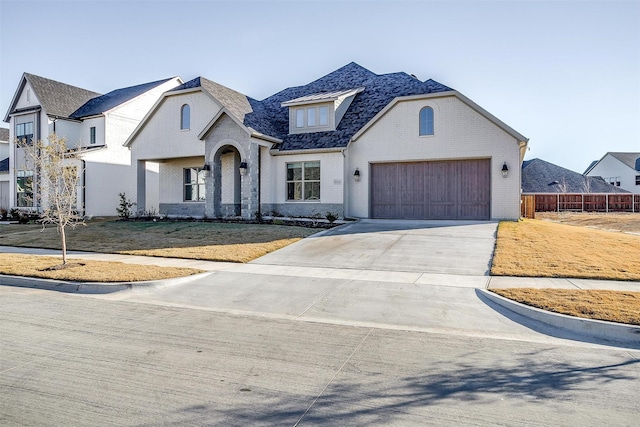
(456, 280)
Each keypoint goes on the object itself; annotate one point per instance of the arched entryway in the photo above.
(225, 182)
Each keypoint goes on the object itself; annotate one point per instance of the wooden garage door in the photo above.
(457, 189)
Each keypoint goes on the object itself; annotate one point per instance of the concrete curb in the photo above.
(92, 287)
(598, 329)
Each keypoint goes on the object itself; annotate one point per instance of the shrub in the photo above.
(125, 206)
(331, 217)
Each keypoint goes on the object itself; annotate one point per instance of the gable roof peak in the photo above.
(56, 98)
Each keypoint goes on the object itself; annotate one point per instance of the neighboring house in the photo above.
(554, 188)
(4, 169)
(353, 142)
(98, 124)
(540, 177)
(619, 169)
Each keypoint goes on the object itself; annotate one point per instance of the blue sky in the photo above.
(566, 74)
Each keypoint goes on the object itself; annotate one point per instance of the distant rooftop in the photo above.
(539, 177)
(100, 104)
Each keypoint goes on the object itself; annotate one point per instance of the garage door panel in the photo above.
(475, 189)
(457, 189)
(411, 196)
(384, 192)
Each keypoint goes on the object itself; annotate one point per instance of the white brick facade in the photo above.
(460, 132)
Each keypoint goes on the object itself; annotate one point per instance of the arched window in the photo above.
(426, 121)
(185, 117)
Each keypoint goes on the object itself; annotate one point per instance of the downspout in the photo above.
(259, 181)
(345, 185)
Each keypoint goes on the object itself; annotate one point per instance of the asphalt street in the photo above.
(69, 359)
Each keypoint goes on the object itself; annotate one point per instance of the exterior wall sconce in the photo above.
(356, 175)
(243, 168)
(207, 169)
(505, 170)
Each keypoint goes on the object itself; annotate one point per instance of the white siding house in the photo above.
(99, 124)
(619, 169)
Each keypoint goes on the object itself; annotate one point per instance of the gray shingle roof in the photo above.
(58, 99)
(100, 104)
(235, 102)
(379, 91)
(539, 176)
(270, 118)
(4, 134)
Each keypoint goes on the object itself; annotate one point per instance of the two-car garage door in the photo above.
(456, 189)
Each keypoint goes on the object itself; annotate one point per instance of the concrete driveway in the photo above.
(400, 274)
(442, 247)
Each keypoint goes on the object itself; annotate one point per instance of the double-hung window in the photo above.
(303, 181)
(25, 131)
(194, 186)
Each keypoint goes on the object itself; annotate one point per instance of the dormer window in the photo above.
(323, 116)
(185, 117)
(312, 117)
(300, 117)
(319, 112)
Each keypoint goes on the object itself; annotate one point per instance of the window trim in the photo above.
(303, 182)
(186, 108)
(429, 130)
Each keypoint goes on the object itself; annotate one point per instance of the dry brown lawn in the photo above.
(612, 306)
(582, 245)
(537, 248)
(232, 242)
(86, 271)
(626, 222)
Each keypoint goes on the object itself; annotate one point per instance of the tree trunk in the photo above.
(64, 245)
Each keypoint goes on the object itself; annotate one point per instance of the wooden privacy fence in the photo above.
(585, 202)
(528, 207)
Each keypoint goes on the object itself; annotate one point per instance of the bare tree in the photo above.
(586, 184)
(57, 170)
(563, 185)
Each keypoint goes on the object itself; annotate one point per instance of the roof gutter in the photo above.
(276, 152)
